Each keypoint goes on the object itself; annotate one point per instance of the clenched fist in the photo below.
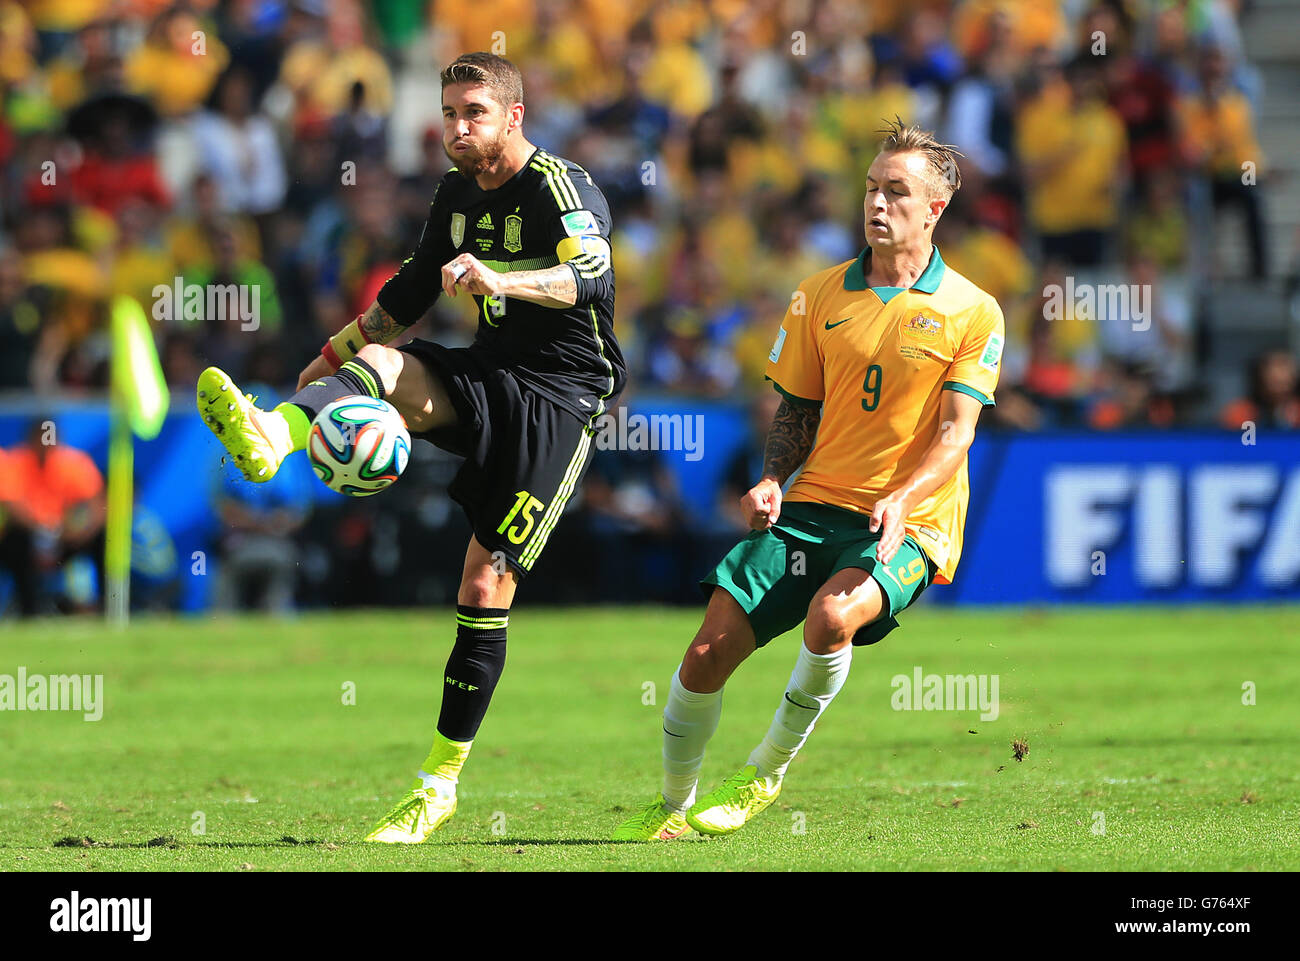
(762, 505)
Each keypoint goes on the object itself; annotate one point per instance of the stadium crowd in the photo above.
(291, 149)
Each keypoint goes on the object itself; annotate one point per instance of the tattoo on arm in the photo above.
(379, 325)
(789, 440)
(551, 287)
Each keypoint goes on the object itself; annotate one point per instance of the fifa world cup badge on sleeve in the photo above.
(992, 352)
(776, 348)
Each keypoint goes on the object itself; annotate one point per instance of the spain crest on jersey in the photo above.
(457, 229)
(514, 231)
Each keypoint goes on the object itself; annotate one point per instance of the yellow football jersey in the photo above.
(876, 359)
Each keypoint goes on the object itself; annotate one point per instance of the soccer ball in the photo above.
(358, 445)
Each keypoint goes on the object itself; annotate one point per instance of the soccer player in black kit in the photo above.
(527, 235)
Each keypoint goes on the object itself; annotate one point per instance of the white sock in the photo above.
(689, 721)
(439, 785)
(814, 682)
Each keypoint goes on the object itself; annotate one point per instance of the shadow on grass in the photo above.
(166, 841)
(173, 844)
(538, 842)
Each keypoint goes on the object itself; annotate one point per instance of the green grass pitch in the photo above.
(239, 726)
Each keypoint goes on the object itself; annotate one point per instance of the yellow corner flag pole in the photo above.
(137, 405)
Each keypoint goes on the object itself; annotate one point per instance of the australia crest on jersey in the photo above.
(457, 229)
(514, 231)
(922, 327)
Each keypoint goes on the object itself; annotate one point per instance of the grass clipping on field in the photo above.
(1019, 749)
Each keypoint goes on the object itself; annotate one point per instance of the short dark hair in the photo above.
(496, 73)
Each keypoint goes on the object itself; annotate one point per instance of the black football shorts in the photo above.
(524, 454)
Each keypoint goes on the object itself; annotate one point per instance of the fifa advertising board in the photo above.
(1153, 516)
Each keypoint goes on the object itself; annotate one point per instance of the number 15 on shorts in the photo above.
(526, 505)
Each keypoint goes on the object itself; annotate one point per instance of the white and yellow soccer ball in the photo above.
(358, 445)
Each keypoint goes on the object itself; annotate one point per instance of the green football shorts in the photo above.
(774, 574)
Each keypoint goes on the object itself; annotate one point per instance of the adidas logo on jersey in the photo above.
(485, 222)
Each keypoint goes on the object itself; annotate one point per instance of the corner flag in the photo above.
(137, 405)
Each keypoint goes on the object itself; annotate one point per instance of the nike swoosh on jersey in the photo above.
(829, 325)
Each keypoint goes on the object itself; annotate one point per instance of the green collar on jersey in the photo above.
(855, 277)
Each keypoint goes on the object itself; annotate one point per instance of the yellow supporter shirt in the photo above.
(176, 81)
(993, 262)
(877, 360)
(1225, 127)
(1083, 151)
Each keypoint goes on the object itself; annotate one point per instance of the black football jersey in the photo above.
(548, 213)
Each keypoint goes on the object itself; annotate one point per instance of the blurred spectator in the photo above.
(119, 165)
(929, 61)
(239, 149)
(140, 260)
(359, 133)
(20, 322)
(191, 237)
(1218, 137)
(86, 63)
(684, 359)
(1127, 399)
(52, 500)
(1147, 328)
(1272, 400)
(981, 108)
(1159, 226)
(986, 257)
(1073, 148)
(177, 65)
(70, 349)
(1064, 356)
(1019, 26)
(321, 69)
(1142, 94)
(240, 310)
(632, 117)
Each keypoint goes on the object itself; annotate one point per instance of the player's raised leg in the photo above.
(473, 669)
(691, 717)
(850, 599)
(259, 440)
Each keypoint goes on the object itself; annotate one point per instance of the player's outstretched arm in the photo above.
(958, 415)
(789, 441)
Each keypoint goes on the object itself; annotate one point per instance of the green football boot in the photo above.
(655, 823)
(729, 806)
(414, 818)
(257, 440)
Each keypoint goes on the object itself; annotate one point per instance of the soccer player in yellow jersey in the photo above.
(884, 364)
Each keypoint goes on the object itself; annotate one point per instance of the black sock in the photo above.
(473, 670)
(354, 377)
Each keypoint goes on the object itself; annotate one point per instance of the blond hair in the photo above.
(943, 176)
